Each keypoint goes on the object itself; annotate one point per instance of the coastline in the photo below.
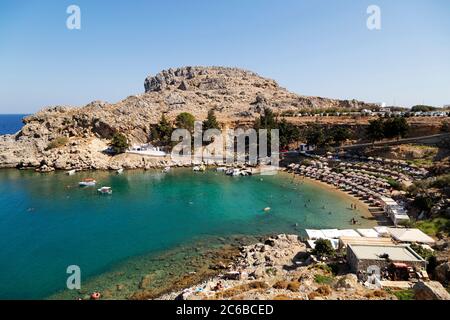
(157, 274)
(202, 260)
(280, 268)
(364, 207)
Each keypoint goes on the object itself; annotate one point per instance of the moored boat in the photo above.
(120, 171)
(166, 170)
(88, 182)
(105, 190)
(71, 172)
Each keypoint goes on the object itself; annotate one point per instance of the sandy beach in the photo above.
(361, 205)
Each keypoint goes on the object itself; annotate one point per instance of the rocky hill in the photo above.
(283, 268)
(279, 269)
(236, 96)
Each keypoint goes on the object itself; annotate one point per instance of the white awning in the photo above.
(331, 233)
(382, 230)
(315, 234)
(368, 233)
(349, 233)
(410, 235)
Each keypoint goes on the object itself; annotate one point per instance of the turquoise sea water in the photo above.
(48, 223)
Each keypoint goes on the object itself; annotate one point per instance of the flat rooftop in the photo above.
(395, 252)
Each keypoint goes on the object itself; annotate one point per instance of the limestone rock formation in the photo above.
(236, 95)
(442, 272)
(431, 290)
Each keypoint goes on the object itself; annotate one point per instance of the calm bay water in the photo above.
(48, 223)
(10, 123)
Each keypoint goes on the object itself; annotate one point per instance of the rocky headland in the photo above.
(63, 138)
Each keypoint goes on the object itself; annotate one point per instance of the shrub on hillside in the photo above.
(424, 203)
(57, 143)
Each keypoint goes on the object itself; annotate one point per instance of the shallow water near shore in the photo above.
(48, 223)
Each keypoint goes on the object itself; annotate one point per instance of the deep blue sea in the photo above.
(10, 123)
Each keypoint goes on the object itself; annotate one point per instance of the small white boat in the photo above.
(221, 169)
(229, 172)
(89, 182)
(166, 170)
(236, 172)
(120, 171)
(71, 172)
(105, 190)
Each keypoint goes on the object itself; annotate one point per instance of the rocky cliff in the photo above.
(236, 95)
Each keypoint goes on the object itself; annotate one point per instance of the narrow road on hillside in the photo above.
(395, 142)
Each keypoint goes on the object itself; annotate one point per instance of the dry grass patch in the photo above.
(281, 285)
(293, 286)
(57, 143)
(324, 290)
(376, 294)
(260, 286)
(285, 297)
(313, 295)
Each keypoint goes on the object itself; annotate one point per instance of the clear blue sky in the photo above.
(312, 47)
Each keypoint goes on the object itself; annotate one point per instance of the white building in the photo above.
(396, 212)
(147, 150)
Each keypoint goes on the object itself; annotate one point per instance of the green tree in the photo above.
(324, 248)
(445, 127)
(423, 108)
(119, 143)
(424, 203)
(396, 127)
(375, 130)
(315, 136)
(267, 120)
(211, 121)
(289, 133)
(426, 254)
(162, 131)
(340, 135)
(186, 121)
